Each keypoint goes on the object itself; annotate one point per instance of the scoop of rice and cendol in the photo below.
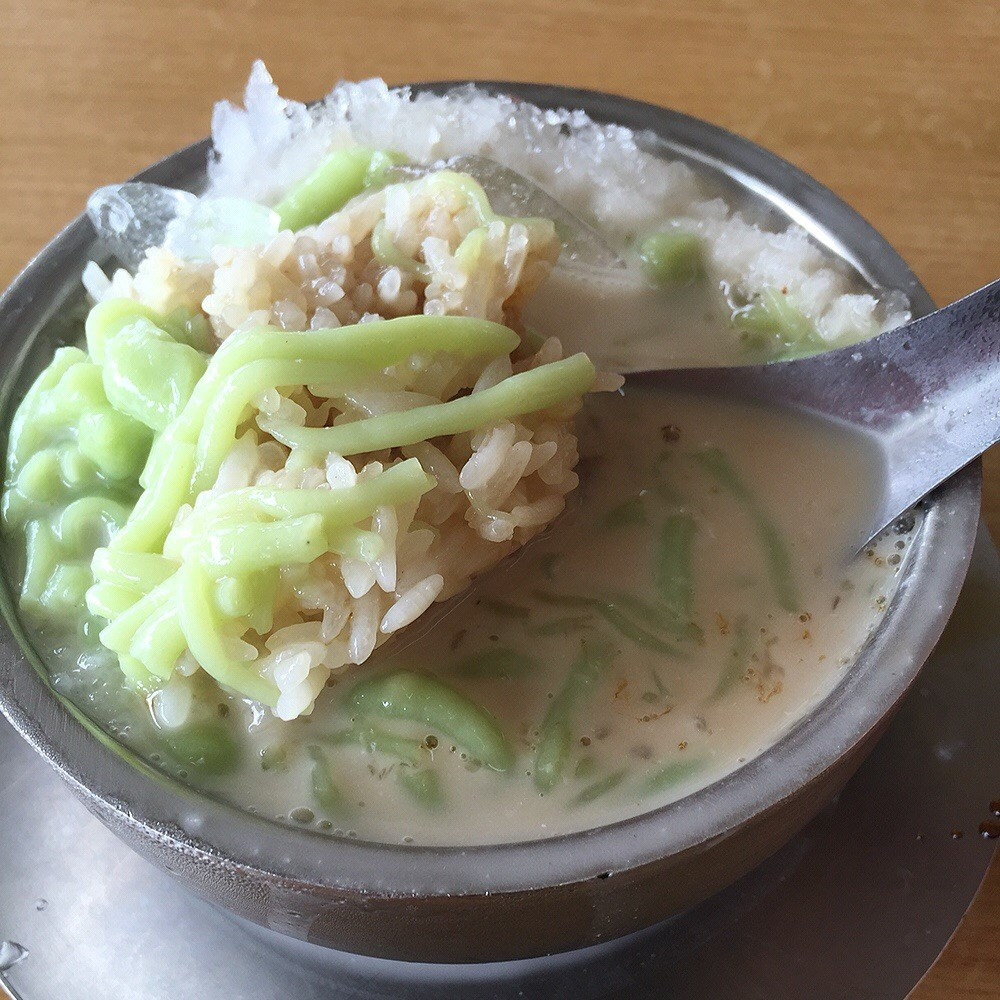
(299, 516)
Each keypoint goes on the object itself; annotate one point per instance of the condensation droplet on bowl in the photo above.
(193, 822)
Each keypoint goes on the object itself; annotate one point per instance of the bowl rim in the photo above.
(223, 835)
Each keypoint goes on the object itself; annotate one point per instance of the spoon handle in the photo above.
(944, 367)
(926, 395)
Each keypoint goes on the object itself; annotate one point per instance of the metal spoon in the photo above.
(925, 397)
(511, 193)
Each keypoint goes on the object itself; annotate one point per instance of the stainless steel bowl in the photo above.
(512, 900)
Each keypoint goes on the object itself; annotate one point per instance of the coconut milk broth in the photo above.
(627, 325)
(654, 726)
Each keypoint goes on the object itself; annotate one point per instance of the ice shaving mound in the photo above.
(603, 173)
(596, 171)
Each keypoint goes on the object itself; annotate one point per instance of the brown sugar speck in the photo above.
(764, 696)
(654, 716)
(682, 745)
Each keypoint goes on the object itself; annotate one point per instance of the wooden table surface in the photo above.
(896, 106)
